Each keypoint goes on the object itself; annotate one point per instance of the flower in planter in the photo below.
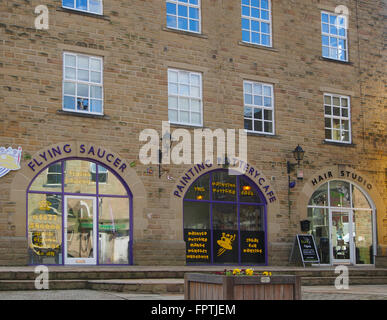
(236, 272)
(249, 272)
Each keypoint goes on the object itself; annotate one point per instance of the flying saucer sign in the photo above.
(9, 160)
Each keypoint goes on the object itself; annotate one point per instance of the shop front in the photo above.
(78, 206)
(225, 215)
(78, 213)
(343, 216)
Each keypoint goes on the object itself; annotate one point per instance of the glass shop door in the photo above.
(342, 237)
(80, 230)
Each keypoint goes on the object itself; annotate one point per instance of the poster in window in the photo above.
(198, 245)
(252, 246)
(225, 246)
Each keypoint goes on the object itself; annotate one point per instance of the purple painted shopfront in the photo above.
(79, 212)
(225, 220)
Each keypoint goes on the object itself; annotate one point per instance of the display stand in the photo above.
(307, 250)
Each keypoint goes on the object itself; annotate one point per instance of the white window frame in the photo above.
(178, 95)
(88, 83)
(253, 106)
(259, 20)
(88, 5)
(338, 37)
(188, 5)
(351, 209)
(331, 116)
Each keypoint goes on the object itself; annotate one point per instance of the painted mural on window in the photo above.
(224, 220)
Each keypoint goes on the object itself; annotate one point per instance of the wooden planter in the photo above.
(199, 286)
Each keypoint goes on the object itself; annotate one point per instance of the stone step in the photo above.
(144, 273)
(21, 285)
(330, 281)
(159, 286)
(155, 286)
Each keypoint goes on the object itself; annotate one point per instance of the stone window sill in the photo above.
(186, 33)
(336, 61)
(339, 144)
(83, 13)
(83, 115)
(257, 46)
(264, 135)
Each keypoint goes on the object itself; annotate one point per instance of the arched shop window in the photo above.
(78, 212)
(224, 220)
(342, 222)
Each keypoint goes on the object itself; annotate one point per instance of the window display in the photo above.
(78, 213)
(224, 220)
(342, 223)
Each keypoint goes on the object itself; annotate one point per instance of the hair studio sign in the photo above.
(347, 174)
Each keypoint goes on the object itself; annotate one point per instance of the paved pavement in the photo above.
(361, 292)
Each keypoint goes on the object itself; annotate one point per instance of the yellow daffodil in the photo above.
(249, 272)
(236, 271)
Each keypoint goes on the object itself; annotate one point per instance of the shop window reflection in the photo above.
(78, 178)
(49, 180)
(45, 228)
(196, 215)
(320, 197)
(102, 173)
(340, 194)
(320, 230)
(108, 183)
(224, 216)
(251, 218)
(362, 224)
(113, 230)
(358, 199)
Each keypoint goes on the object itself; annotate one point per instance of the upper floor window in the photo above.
(183, 15)
(92, 6)
(258, 107)
(334, 36)
(337, 118)
(82, 83)
(185, 97)
(256, 22)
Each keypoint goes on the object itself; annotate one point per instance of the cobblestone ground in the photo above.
(374, 292)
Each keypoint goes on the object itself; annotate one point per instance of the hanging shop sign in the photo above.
(9, 160)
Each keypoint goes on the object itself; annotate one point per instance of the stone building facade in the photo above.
(135, 52)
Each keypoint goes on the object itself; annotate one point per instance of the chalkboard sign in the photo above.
(307, 249)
